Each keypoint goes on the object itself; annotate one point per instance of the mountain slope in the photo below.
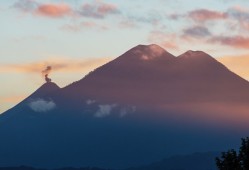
(145, 77)
(125, 78)
(41, 94)
(150, 78)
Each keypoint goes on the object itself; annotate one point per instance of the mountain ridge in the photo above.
(196, 161)
(170, 70)
(45, 89)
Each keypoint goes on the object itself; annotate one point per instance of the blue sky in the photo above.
(76, 36)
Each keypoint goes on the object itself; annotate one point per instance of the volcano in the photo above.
(149, 75)
(141, 107)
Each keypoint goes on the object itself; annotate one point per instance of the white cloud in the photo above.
(89, 102)
(123, 112)
(127, 110)
(133, 109)
(145, 57)
(105, 110)
(41, 105)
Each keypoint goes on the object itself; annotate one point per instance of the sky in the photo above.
(77, 36)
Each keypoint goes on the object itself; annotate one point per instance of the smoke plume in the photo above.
(46, 72)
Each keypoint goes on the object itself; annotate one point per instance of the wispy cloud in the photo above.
(127, 24)
(77, 27)
(199, 15)
(232, 25)
(175, 16)
(204, 15)
(11, 99)
(105, 110)
(196, 31)
(164, 39)
(149, 17)
(237, 15)
(127, 110)
(58, 64)
(90, 102)
(53, 10)
(43, 9)
(233, 41)
(98, 9)
(240, 15)
(26, 5)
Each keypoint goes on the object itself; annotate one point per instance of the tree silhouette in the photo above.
(244, 153)
(230, 160)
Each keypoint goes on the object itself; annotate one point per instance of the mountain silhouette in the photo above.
(44, 92)
(196, 161)
(149, 75)
(141, 107)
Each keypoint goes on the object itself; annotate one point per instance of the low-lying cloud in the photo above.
(90, 102)
(41, 105)
(108, 110)
(127, 110)
(104, 110)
